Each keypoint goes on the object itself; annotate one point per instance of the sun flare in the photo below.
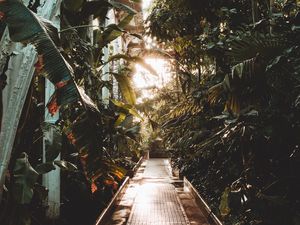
(148, 83)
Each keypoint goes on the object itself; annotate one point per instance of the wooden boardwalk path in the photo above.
(152, 198)
(157, 202)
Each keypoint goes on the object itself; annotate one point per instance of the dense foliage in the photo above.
(235, 129)
(98, 143)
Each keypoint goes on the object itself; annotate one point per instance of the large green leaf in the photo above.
(44, 168)
(235, 84)
(121, 6)
(19, 19)
(65, 165)
(224, 204)
(126, 88)
(113, 31)
(115, 170)
(127, 108)
(54, 66)
(53, 141)
(133, 132)
(120, 119)
(25, 177)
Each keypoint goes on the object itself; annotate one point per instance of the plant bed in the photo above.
(213, 219)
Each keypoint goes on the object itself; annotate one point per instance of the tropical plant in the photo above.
(86, 123)
(239, 148)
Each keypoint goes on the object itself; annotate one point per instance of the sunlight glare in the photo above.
(149, 83)
(146, 4)
(146, 7)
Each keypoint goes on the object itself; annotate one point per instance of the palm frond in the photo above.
(234, 84)
(249, 45)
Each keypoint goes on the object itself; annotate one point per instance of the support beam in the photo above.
(117, 49)
(106, 69)
(105, 77)
(51, 180)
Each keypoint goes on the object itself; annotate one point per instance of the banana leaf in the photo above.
(55, 67)
(126, 87)
(127, 108)
(84, 132)
(114, 31)
(18, 17)
(121, 6)
(120, 119)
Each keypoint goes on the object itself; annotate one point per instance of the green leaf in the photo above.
(120, 56)
(137, 36)
(64, 165)
(116, 170)
(125, 21)
(54, 66)
(53, 141)
(120, 119)
(126, 88)
(21, 18)
(133, 132)
(113, 31)
(127, 108)
(115, 27)
(224, 205)
(44, 168)
(25, 177)
(124, 7)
